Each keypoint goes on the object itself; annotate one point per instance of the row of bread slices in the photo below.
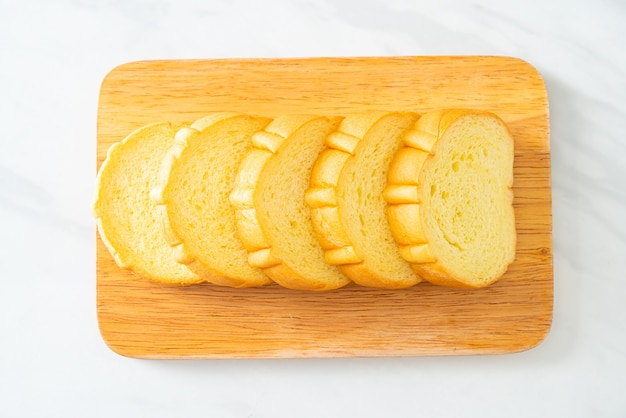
(382, 199)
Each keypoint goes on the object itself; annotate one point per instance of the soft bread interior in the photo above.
(283, 214)
(466, 200)
(126, 217)
(196, 197)
(362, 209)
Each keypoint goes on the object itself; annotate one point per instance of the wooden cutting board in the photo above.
(141, 319)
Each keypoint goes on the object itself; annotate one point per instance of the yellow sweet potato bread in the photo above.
(126, 217)
(384, 199)
(347, 204)
(450, 197)
(274, 222)
(195, 179)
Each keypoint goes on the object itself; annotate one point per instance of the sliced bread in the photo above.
(195, 180)
(126, 217)
(347, 206)
(274, 222)
(451, 200)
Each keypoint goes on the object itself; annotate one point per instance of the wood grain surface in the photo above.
(145, 320)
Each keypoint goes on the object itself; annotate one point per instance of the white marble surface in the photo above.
(54, 56)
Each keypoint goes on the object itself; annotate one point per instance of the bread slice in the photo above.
(196, 178)
(126, 217)
(451, 200)
(273, 220)
(348, 209)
